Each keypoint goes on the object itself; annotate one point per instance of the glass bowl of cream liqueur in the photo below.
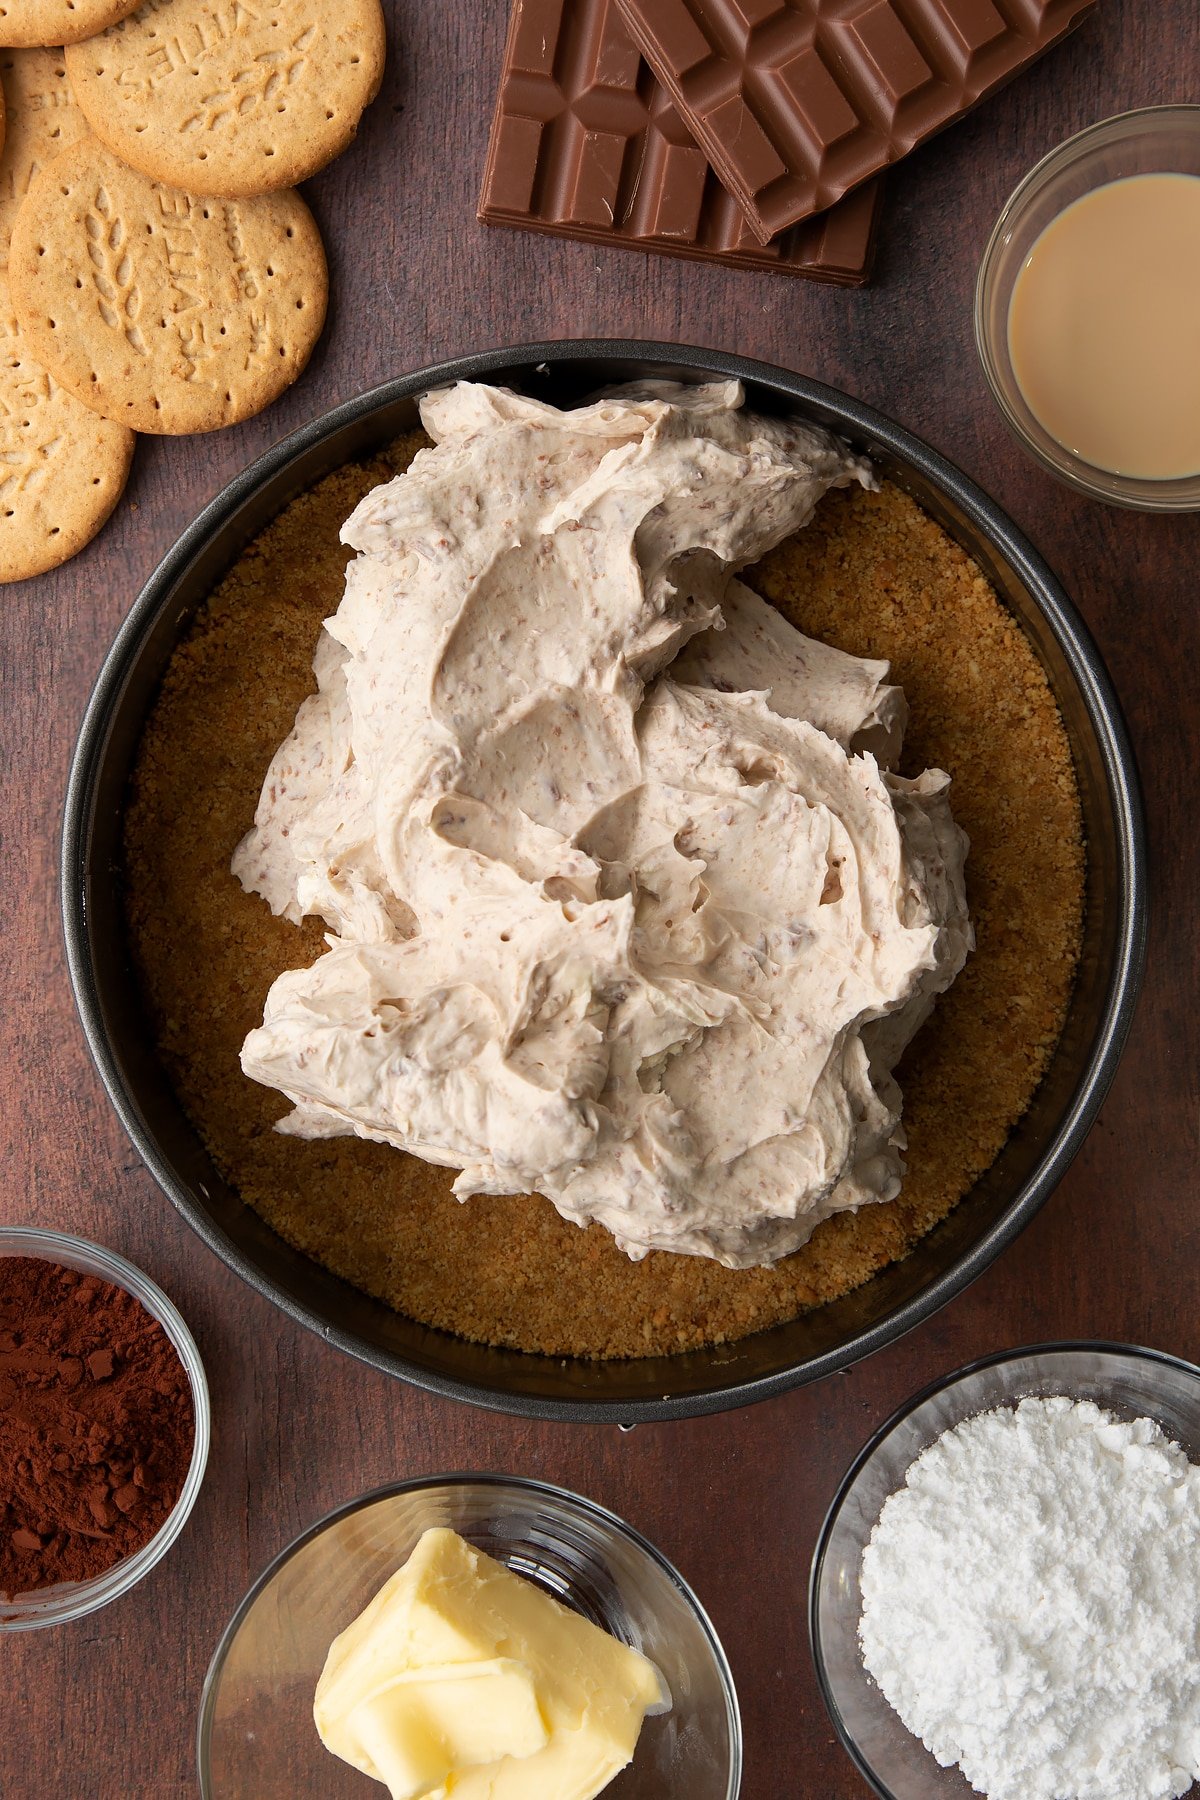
(1087, 310)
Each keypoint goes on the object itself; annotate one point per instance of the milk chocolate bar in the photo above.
(795, 102)
(586, 143)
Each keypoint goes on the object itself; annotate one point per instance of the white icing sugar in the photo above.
(1031, 1604)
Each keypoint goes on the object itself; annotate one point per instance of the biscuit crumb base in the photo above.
(872, 574)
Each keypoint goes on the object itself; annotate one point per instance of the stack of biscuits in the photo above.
(158, 270)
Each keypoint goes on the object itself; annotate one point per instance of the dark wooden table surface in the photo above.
(106, 1708)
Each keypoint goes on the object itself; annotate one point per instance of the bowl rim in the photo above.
(469, 1478)
(1022, 1353)
(67, 1601)
(1079, 651)
(1132, 493)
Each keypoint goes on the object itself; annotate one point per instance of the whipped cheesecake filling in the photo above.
(625, 904)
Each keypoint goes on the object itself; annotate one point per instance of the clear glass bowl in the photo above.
(1127, 1381)
(257, 1740)
(69, 1600)
(1155, 139)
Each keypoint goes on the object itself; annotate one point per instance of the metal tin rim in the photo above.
(1086, 667)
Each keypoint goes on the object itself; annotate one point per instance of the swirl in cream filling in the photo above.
(624, 904)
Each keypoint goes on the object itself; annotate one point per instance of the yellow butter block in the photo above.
(424, 1726)
(462, 1678)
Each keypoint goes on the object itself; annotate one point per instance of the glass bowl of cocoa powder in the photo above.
(104, 1427)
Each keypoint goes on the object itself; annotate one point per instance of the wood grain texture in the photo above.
(107, 1707)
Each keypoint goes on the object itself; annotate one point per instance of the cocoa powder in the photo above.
(96, 1425)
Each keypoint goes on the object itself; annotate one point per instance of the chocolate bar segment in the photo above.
(586, 143)
(795, 102)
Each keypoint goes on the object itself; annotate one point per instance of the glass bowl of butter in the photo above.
(474, 1634)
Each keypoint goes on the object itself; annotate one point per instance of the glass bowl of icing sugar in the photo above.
(1005, 1593)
